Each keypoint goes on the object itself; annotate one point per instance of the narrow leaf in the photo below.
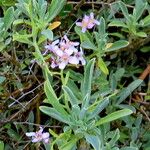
(127, 91)
(2, 79)
(52, 98)
(88, 45)
(113, 116)
(94, 140)
(145, 21)
(8, 17)
(102, 27)
(88, 74)
(117, 23)
(103, 66)
(141, 34)
(115, 137)
(55, 114)
(72, 97)
(140, 6)
(117, 45)
(70, 144)
(98, 108)
(54, 25)
(54, 9)
(124, 10)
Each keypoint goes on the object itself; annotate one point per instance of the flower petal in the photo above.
(79, 24)
(62, 65)
(55, 42)
(45, 135)
(84, 30)
(97, 22)
(66, 38)
(34, 140)
(90, 25)
(46, 140)
(73, 60)
(92, 15)
(47, 46)
(59, 52)
(53, 64)
(86, 19)
(69, 51)
(30, 134)
(83, 62)
(41, 130)
(75, 43)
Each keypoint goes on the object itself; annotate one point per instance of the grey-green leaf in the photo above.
(72, 97)
(88, 45)
(117, 23)
(113, 116)
(98, 108)
(2, 79)
(102, 27)
(52, 98)
(55, 114)
(139, 9)
(127, 91)
(94, 140)
(117, 45)
(54, 9)
(48, 34)
(124, 10)
(8, 17)
(88, 74)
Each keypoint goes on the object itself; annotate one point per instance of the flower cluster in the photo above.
(39, 136)
(64, 52)
(88, 22)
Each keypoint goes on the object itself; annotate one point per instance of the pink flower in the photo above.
(64, 60)
(65, 52)
(68, 45)
(88, 22)
(52, 47)
(39, 136)
(78, 57)
(54, 62)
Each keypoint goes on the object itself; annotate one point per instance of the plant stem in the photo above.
(65, 96)
(46, 69)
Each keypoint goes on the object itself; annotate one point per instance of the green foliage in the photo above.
(131, 23)
(5, 24)
(81, 119)
(39, 16)
(5, 3)
(127, 91)
(1, 145)
(114, 116)
(85, 107)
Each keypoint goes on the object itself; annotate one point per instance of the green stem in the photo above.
(65, 96)
(46, 69)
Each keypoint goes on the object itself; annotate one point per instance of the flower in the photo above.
(39, 136)
(78, 57)
(68, 45)
(88, 22)
(64, 52)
